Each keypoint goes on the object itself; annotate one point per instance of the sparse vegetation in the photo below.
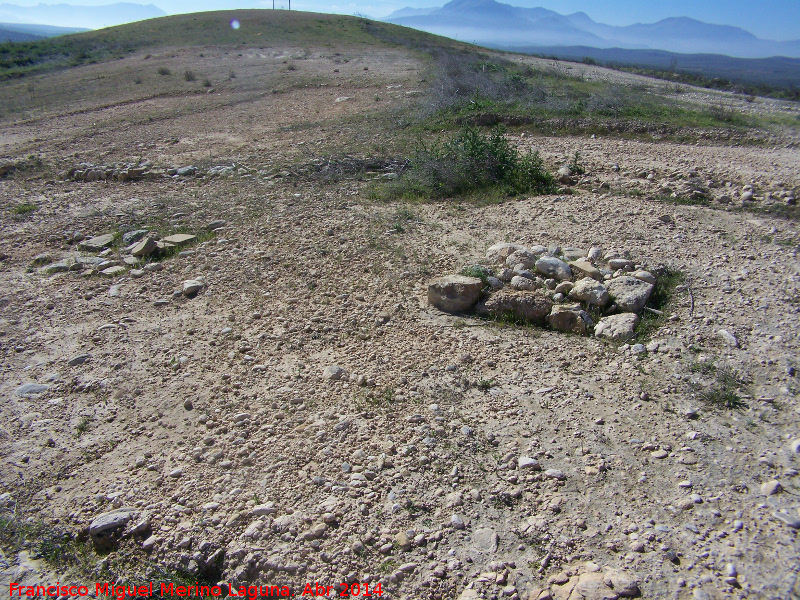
(472, 162)
(189, 75)
(668, 282)
(722, 393)
(24, 209)
(163, 71)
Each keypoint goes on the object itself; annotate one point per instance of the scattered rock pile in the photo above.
(564, 288)
(135, 255)
(117, 172)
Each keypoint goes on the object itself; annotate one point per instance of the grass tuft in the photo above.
(667, 283)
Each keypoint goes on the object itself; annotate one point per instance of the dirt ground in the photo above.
(209, 418)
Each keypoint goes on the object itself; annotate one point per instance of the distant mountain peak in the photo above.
(490, 22)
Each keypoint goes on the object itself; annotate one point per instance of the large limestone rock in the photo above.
(619, 327)
(569, 319)
(454, 293)
(529, 307)
(551, 266)
(590, 291)
(498, 253)
(630, 293)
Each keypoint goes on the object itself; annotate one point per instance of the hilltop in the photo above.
(223, 351)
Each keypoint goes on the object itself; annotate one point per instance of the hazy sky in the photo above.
(768, 19)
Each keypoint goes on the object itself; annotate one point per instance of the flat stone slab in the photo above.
(98, 243)
(179, 239)
(27, 390)
(113, 271)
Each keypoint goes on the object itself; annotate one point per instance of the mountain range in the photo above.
(84, 17)
(492, 23)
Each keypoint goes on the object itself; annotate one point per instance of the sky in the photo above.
(767, 19)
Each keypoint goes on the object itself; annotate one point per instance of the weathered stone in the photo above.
(333, 373)
(629, 293)
(770, 488)
(590, 291)
(454, 293)
(591, 586)
(573, 254)
(216, 224)
(727, 337)
(644, 276)
(551, 266)
(485, 540)
(617, 327)
(113, 271)
(497, 253)
(104, 529)
(28, 390)
(569, 319)
(145, 247)
(530, 307)
(523, 257)
(131, 237)
(179, 239)
(98, 243)
(518, 282)
(192, 286)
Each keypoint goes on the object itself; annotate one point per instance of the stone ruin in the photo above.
(555, 287)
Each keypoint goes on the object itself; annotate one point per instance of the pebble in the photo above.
(727, 337)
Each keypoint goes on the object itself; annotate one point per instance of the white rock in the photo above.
(727, 337)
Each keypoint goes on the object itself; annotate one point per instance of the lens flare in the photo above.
(235, 23)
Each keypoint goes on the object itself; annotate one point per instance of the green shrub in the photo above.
(189, 75)
(471, 162)
(163, 71)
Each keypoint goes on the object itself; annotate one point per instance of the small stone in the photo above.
(79, 360)
(457, 522)
(191, 287)
(526, 462)
(550, 266)
(644, 276)
(187, 404)
(216, 224)
(659, 454)
(770, 488)
(584, 268)
(555, 474)
(727, 337)
(333, 373)
(795, 446)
